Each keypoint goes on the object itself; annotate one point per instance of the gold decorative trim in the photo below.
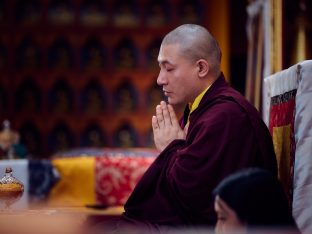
(276, 35)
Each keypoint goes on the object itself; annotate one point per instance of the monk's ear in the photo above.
(203, 67)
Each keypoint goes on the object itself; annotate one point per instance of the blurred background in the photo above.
(82, 73)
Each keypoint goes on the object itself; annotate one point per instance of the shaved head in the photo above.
(196, 43)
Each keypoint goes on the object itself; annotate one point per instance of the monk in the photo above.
(220, 133)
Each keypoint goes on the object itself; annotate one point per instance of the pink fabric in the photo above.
(116, 177)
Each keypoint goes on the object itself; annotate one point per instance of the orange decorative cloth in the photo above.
(103, 177)
(77, 183)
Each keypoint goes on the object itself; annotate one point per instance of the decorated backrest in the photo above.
(280, 93)
(287, 111)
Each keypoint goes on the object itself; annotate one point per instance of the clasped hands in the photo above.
(166, 126)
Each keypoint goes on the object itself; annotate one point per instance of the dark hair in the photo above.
(257, 197)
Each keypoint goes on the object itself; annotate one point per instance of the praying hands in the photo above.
(166, 127)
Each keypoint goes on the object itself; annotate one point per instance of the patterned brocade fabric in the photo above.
(280, 91)
(103, 177)
(281, 126)
(117, 176)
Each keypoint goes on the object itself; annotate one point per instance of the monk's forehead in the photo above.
(168, 53)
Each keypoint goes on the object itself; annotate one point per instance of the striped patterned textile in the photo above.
(281, 89)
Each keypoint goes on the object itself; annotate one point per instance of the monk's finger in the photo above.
(186, 128)
(155, 125)
(173, 117)
(167, 119)
(159, 116)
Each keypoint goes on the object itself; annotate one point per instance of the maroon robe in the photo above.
(225, 134)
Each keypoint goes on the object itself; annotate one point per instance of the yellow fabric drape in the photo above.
(76, 186)
(282, 144)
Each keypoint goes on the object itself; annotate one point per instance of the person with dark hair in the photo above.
(252, 199)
